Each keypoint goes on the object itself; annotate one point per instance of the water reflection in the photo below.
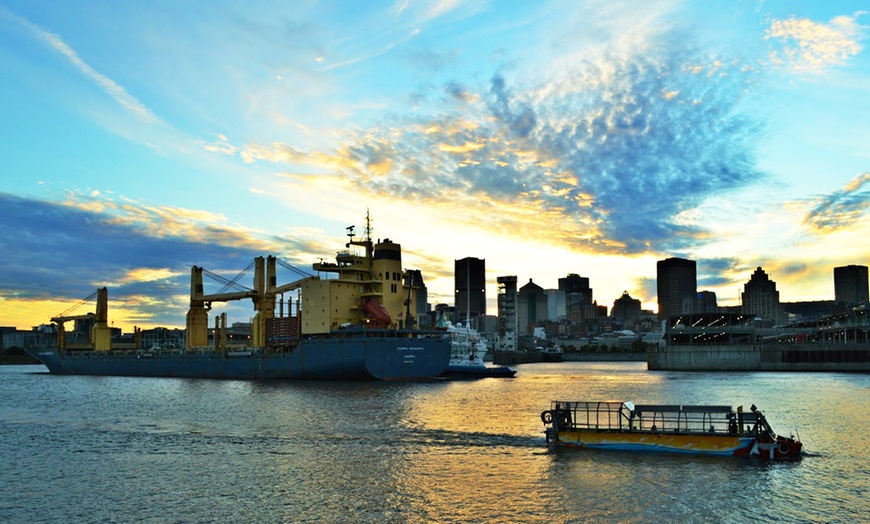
(293, 451)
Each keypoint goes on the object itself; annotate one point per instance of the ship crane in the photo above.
(263, 296)
(100, 335)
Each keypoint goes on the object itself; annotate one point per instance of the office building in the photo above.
(676, 280)
(850, 285)
(470, 287)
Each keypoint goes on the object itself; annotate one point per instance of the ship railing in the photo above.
(625, 417)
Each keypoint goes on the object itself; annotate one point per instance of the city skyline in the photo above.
(588, 137)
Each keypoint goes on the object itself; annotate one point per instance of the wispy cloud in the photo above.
(842, 208)
(108, 85)
(804, 45)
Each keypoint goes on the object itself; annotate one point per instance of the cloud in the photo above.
(606, 155)
(108, 85)
(803, 45)
(143, 254)
(842, 208)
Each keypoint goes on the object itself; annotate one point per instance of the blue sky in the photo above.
(591, 137)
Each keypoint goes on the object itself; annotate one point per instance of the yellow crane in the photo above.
(263, 296)
(100, 335)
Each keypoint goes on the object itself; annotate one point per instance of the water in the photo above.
(111, 449)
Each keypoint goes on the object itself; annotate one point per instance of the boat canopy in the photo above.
(626, 416)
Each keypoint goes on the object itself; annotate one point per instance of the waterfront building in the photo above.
(850, 285)
(556, 304)
(507, 312)
(470, 287)
(625, 308)
(576, 290)
(531, 306)
(700, 302)
(760, 298)
(414, 280)
(676, 279)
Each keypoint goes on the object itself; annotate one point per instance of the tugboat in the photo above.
(704, 430)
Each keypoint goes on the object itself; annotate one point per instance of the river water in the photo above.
(112, 449)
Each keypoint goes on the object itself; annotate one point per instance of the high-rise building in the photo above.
(414, 280)
(470, 287)
(625, 308)
(676, 279)
(556, 306)
(850, 285)
(507, 313)
(507, 303)
(701, 302)
(760, 298)
(576, 289)
(531, 306)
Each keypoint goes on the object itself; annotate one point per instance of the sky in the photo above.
(594, 137)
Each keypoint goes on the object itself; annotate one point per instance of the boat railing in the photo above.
(626, 417)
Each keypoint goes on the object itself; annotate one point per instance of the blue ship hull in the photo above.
(341, 358)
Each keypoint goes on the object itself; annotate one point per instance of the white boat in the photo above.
(467, 350)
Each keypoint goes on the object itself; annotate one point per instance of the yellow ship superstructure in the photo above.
(368, 290)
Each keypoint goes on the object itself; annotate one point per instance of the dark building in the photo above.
(470, 287)
(531, 306)
(625, 308)
(701, 302)
(414, 280)
(676, 280)
(850, 285)
(507, 304)
(577, 290)
(760, 298)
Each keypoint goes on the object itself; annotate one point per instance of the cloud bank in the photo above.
(604, 156)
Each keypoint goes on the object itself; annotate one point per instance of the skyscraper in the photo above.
(676, 279)
(850, 285)
(760, 298)
(576, 289)
(531, 306)
(470, 287)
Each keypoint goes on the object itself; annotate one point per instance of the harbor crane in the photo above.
(100, 335)
(263, 295)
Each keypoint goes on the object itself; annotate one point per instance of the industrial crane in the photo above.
(100, 335)
(263, 296)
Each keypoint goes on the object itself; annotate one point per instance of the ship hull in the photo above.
(721, 445)
(352, 358)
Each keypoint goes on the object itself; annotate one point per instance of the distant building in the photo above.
(760, 298)
(507, 312)
(470, 287)
(556, 307)
(414, 279)
(700, 302)
(850, 285)
(625, 308)
(531, 306)
(676, 279)
(576, 290)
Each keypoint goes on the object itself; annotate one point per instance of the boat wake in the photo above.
(448, 438)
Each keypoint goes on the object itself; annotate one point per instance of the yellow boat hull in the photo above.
(724, 445)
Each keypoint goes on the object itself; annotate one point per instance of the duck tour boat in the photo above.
(703, 430)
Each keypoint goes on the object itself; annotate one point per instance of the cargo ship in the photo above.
(704, 430)
(353, 322)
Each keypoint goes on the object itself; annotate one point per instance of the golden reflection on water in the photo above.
(307, 451)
